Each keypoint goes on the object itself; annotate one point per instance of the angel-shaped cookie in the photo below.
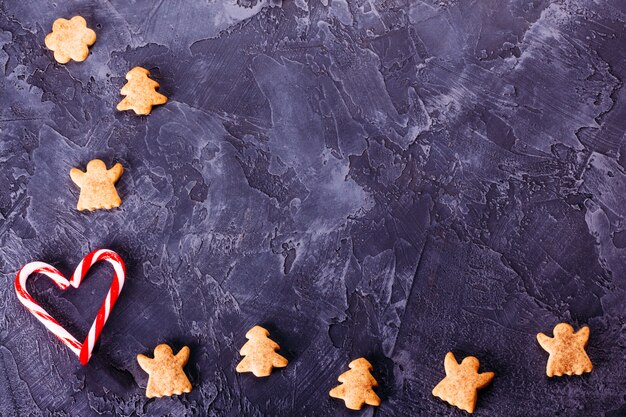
(567, 350)
(165, 372)
(462, 382)
(97, 185)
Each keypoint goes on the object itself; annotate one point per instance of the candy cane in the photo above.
(82, 350)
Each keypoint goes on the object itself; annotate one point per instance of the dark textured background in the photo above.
(392, 179)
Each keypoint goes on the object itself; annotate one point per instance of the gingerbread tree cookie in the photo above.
(97, 185)
(165, 372)
(140, 92)
(260, 353)
(70, 39)
(356, 385)
(462, 382)
(567, 350)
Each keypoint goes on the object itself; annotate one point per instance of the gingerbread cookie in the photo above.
(165, 372)
(97, 185)
(567, 350)
(70, 39)
(462, 382)
(356, 385)
(259, 353)
(140, 92)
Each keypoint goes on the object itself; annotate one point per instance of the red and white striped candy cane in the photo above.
(82, 350)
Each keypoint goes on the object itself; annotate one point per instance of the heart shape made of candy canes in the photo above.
(82, 350)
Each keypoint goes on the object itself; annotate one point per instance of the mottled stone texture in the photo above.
(381, 178)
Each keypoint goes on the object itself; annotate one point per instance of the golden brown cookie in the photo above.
(259, 353)
(140, 92)
(462, 382)
(356, 385)
(97, 185)
(567, 350)
(70, 39)
(165, 372)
